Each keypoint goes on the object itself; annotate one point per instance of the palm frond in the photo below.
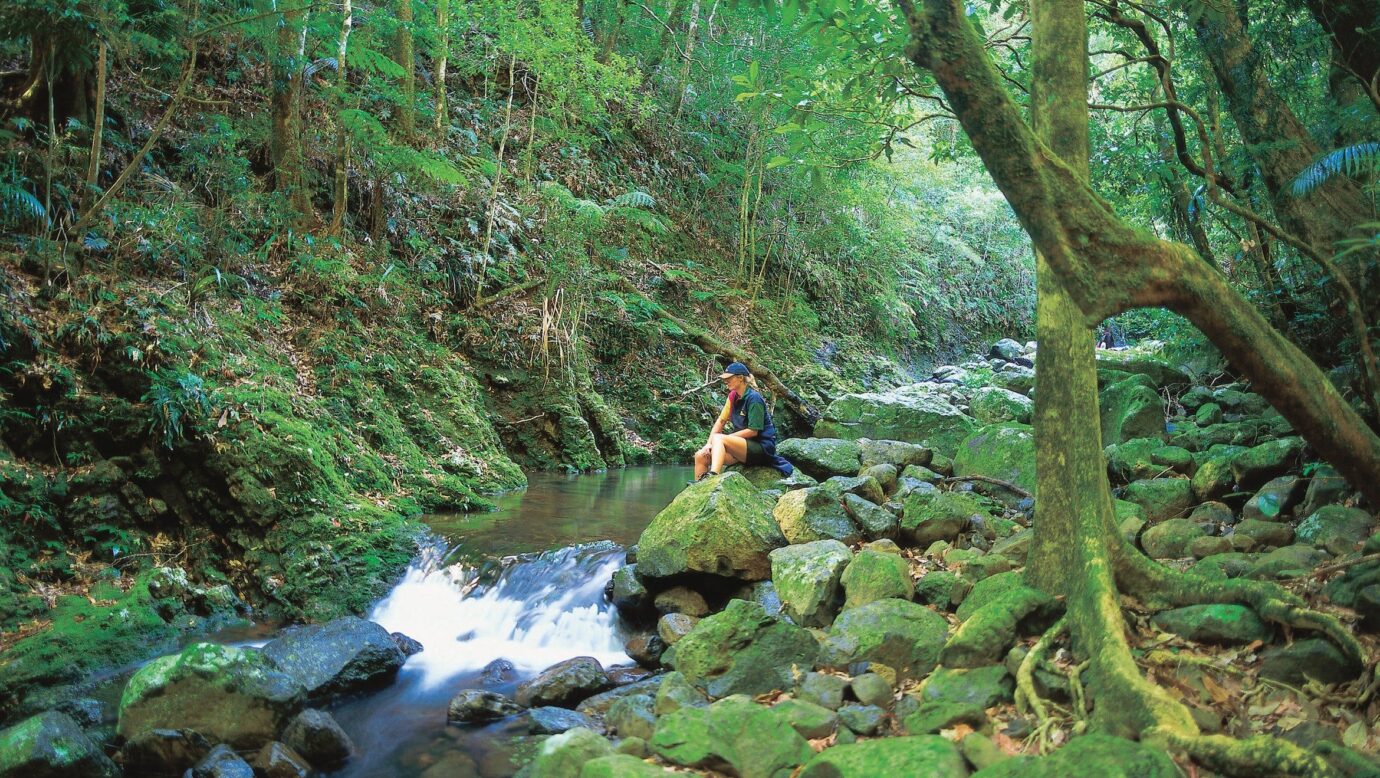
(18, 206)
(1354, 160)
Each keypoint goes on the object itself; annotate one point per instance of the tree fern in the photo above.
(18, 206)
(1354, 160)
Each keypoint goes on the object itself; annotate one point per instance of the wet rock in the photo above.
(734, 736)
(913, 414)
(1213, 623)
(453, 764)
(1264, 534)
(563, 755)
(645, 648)
(317, 736)
(874, 521)
(807, 580)
(222, 762)
(742, 650)
(340, 657)
(405, 644)
(228, 694)
(1131, 409)
(809, 515)
(1336, 528)
(1161, 498)
(1254, 467)
(907, 755)
(633, 716)
(621, 765)
(876, 575)
(935, 715)
(822, 457)
(599, 704)
(1005, 452)
(896, 453)
(51, 745)
(87, 712)
(993, 405)
(681, 599)
(932, 516)
(674, 626)
(629, 594)
(564, 684)
(499, 671)
(1314, 658)
(478, 706)
(165, 751)
(548, 720)
(983, 686)
(721, 525)
(1327, 486)
(276, 760)
(897, 633)
(1170, 539)
(1274, 500)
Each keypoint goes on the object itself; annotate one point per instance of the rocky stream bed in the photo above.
(820, 625)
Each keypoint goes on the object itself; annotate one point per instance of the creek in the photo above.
(498, 598)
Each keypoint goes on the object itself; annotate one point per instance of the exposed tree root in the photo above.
(1262, 755)
(1026, 697)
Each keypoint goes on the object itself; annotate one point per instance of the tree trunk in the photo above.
(687, 57)
(674, 24)
(1281, 148)
(285, 145)
(1188, 226)
(442, 58)
(407, 120)
(93, 162)
(1354, 26)
(340, 201)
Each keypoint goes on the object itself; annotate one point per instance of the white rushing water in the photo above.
(542, 609)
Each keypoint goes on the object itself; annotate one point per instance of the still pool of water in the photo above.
(560, 541)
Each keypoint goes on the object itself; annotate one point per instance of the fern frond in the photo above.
(1354, 160)
(650, 222)
(634, 199)
(19, 206)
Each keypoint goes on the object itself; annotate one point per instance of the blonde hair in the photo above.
(752, 382)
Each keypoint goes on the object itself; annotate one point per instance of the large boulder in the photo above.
(1131, 409)
(1170, 539)
(1160, 372)
(1214, 623)
(874, 520)
(733, 736)
(742, 650)
(51, 745)
(807, 580)
(994, 405)
(480, 706)
(934, 515)
(1103, 756)
(563, 755)
(1336, 528)
(1253, 468)
(721, 525)
(900, 634)
(231, 695)
(876, 575)
(1161, 498)
(893, 452)
(340, 657)
(1005, 452)
(822, 457)
(164, 751)
(914, 414)
(914, 756)
(1214, 478)
(817, 513)
(319, 738)
(1132, 460)
(564, 684)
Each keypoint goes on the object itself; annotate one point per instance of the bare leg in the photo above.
(728, 449)
(701, 462)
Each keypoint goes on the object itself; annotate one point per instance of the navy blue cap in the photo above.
(736, 368)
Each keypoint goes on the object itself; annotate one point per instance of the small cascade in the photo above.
(540, 609)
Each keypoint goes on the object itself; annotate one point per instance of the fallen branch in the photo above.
(480, 302)
(699, 388)
(507, 423)
(987, 480)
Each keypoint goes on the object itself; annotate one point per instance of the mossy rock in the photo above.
(621, 766)
(993, 405)
(896, 633)
(866, 487)
(1131, 409)
(564, 755)
(1170, 539)
(1223, 566)
(874, 521)
(1180, 460)
(51, 745)
(1336, 528)
(1253, 468)
(876, 575)
(1309, 658)
(915, 756)
(981, 686)
(822, 457)
(937, 515)
(1131, 460)
(893, 452)
(721, 525)
(1264, 534)
(770, 478)
(807, 580)
(806, 718)
(817, 513)
(912, 414)
(1288, 561)
(742, 650)
(231, 695)
(1214, 478)
(1215, 623)
(734, 735)
(1275, 500)
(1005, 452)
(1160, 498)
(934, 715)
(1160, 372)
(1099, 756)
(987, 590)
(936, 588)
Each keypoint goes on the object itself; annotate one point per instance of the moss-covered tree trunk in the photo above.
(285, 144)
(407, 59)
(442, 60)
(340, 201)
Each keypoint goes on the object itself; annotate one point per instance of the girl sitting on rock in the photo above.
(750, 438)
